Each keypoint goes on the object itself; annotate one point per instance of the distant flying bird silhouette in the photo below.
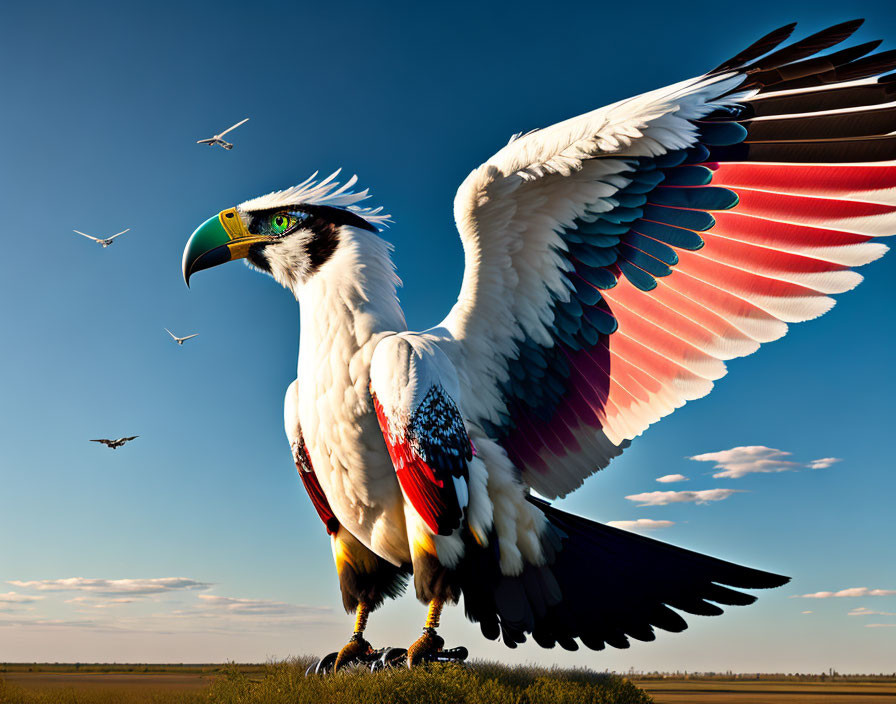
(181, 340)
(614, 262)
(115, 444)
(218, 138)
(105, 242)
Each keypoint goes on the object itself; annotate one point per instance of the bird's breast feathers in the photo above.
(347, 451)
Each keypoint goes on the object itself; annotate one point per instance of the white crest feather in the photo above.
(326, 192)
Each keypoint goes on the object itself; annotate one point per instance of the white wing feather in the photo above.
(509, 212)
(233, 127)
(719, 303)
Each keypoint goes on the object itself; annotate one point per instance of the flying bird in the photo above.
(219, 138)
(115, 444)
(104, 242)
(613, 263)
(180, 340)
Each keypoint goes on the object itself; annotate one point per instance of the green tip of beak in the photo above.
(207, 247)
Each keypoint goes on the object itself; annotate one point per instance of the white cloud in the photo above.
(20, 622)
(113, 587)
(740, 461)
(669, 478)
(662, 498)
(258, 607)
(641, 524)
(864, 611)
(823, 463)
(756, 459)
(880, 625)
(13, 598)
(805, 612)
(100, 603)
(188, 613)
(851, 591)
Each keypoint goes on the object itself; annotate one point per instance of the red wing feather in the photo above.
(314, 489)
(433, 498)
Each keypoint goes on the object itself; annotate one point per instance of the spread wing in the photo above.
(84, 234)
(105, 441)
(413, 387)
(118, 233)
(189, 337)
(233, 127)
(616, 260)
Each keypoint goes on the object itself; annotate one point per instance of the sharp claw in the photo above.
(424, 647)
(351, 651)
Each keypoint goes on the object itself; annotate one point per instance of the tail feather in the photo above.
(602, 586)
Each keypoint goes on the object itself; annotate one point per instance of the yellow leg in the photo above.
(357, 645)
(361, 614)
(430, 642)
(434, 613)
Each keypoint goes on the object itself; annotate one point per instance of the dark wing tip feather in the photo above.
(756, 49)
(812, 44)
(749, 578)
(868, 66)
(817, 71)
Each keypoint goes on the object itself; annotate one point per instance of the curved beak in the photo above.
(219, 239)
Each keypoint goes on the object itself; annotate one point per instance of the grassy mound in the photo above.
(476, 683)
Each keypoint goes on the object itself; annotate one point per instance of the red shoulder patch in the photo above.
(313, 487)
(433, 497)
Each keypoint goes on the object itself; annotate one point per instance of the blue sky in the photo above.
(102, 104)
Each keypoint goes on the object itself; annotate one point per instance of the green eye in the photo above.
(282, 222)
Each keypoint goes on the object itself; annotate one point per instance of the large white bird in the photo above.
(181, 340)
(219, 138)
(105, 242)
(614, 261)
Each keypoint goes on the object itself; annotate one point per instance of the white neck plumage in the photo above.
(349, 301)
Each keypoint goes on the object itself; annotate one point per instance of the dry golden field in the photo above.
(768, 691)
(481, 683)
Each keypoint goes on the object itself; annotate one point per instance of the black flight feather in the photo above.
(757, 49)
(812, 44)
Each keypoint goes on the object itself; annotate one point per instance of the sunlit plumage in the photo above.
(614, 262)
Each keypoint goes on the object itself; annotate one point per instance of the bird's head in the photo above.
(289, 234)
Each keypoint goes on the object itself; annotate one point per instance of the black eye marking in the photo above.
(338, 216)
(322, 245)
(321, 221)
(257, 259)
(265, 222)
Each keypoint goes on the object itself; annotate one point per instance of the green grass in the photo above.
(477, 683)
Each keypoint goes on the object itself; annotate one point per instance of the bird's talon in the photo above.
(425, 647)
(355, 649)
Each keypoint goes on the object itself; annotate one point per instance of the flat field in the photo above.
(769, 691)
(285, 683)
(482, 683)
